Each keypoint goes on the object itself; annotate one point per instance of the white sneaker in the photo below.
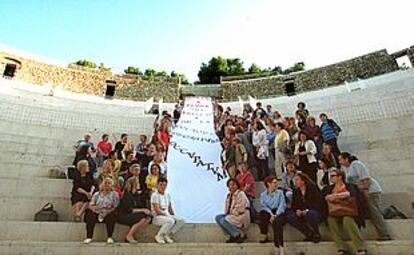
(159, 239)
(168, 239)
(110, 240)
(87, 241)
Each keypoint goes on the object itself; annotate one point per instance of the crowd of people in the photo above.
(308, 180)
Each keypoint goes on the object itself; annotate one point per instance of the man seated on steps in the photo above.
(163, 212)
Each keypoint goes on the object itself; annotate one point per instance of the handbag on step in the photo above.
(47, 213)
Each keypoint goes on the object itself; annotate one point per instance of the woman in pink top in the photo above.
(246, 180)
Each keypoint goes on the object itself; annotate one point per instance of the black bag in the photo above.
(392, 212)
(47, 213)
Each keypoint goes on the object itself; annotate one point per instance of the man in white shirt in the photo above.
(164, 213)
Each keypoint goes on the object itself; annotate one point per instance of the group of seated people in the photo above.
(311, 180)
(349, 196)
(129, 207)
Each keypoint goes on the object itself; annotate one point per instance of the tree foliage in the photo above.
(133, 70)
(209, 73)
(86, 63)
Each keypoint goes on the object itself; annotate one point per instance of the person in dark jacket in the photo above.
(339, 225)
(308, 208)
(82, 190)
(133, 210)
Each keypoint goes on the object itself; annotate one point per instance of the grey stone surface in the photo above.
(191, 233)
(398, 247)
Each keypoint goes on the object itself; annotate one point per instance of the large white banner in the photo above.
(196, 180)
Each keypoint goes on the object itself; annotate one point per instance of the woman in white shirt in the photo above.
(163, 212)
(261, 149)
(305, 151)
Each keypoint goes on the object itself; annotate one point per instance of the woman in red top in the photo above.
(104, 148)
(246, 180)
(163, 135)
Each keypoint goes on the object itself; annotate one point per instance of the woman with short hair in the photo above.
(82, 190)
(133, 210)
(236, 213)
(164, 214)
(346, 224)
(273, 212)
(102, 208)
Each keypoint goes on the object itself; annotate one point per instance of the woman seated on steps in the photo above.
(236, 213)
(133, 210)
(82, 190)
(273, 210)
(346, 223)
(102, 208)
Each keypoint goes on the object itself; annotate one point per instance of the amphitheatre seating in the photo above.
(38, 132)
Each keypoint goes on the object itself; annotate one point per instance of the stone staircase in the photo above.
(37, 133)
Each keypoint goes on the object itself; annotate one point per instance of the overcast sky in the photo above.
(181, 34)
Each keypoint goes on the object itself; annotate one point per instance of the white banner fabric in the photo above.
(196, 180)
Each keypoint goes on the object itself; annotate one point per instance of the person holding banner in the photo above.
(236, 213)
(163, 212)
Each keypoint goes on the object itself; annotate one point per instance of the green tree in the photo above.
(234, 66)
(211, 72)
(150, 72)
(277, 70)
(133, 70)
(161, 74)
(254, 69)
(86, 63)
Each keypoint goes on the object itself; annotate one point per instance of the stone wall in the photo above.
(83, 80)
(362, 67)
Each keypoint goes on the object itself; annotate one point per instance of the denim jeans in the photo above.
(227, 227)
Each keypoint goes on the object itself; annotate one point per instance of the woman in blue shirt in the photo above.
(273, 211)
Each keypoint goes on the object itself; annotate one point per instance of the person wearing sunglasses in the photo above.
(349, 225)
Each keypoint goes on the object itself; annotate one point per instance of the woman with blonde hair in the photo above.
(133, 210)
(82, 190)
(102, 208)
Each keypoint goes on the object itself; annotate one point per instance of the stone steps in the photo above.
(24, 204)
(191, 233)
(396, 247)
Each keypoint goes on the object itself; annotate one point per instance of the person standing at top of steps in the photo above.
(102, 208)
(236, 213)
(163, 212)
(358, 173)
(330, 132)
